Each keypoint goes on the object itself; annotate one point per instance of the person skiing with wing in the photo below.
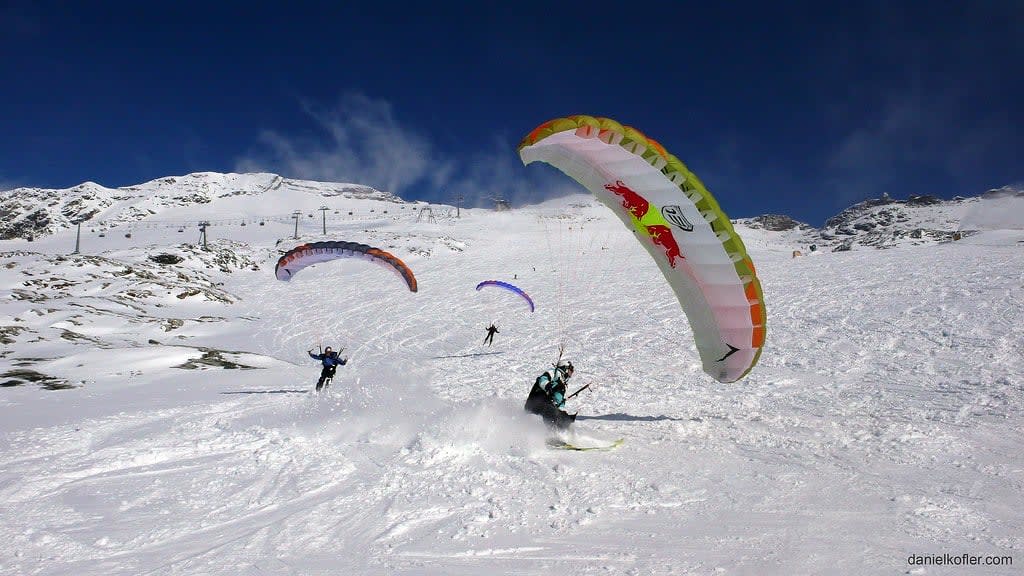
(330, 361)
(547, 397)
(491, 331)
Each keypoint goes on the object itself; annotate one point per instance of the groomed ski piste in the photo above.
(884, 419)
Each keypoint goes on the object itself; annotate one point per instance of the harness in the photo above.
(554, 387)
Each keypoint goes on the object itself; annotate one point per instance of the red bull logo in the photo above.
(631, 201)
(661, 235)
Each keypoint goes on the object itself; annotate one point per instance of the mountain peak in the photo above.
(1004, 192)
(776, 223)
(39, 211)
(887, 222)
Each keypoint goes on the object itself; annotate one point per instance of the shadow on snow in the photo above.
(466, 355)
(621, 416)
(267, 392)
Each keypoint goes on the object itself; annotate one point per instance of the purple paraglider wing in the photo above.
(509, 287)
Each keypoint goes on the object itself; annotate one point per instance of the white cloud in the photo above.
(918, 133)
(905, 135)
(495, 171)
(362, 141)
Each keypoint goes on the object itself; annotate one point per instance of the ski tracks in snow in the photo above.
(146, 482)
(882, 420)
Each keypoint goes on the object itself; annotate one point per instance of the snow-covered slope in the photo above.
(157, 414)
(999, 209)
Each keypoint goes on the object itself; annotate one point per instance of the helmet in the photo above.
(327, 349)
(566, 368)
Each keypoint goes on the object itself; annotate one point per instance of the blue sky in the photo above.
(799, 108)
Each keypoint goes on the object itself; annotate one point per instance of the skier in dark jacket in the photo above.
(547, 397)
(491, 331)
(330, 361)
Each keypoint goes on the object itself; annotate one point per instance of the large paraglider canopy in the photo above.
(509, 287)
(679, 223)
(308, 254)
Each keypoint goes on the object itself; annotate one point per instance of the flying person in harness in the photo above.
(330, 361)
(547, 397)
(491, 331)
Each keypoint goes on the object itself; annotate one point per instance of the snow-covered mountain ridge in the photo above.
(34, 212)
(887, 222)
(30, 213)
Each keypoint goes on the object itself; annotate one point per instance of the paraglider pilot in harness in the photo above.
(491, 331)
(330, 361)
(547, 397)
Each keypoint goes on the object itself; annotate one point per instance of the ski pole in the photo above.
(578, 391)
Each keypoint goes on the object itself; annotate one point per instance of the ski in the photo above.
(562, 445)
